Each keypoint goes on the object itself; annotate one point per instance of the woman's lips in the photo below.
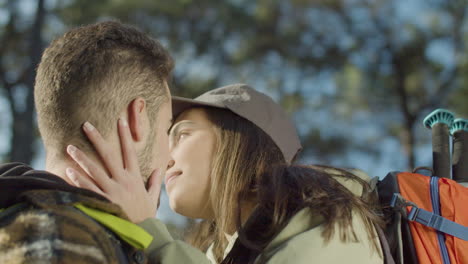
(171, 176)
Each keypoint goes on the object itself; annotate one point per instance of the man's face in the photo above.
(160, 148)
(155, 154)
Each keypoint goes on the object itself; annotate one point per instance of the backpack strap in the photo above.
(430, 219)
(387, 253)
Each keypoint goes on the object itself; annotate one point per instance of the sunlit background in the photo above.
(357, 76)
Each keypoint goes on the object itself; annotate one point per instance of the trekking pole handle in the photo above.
(439, 121)
(459, 131)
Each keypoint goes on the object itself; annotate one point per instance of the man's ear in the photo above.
(136, 111)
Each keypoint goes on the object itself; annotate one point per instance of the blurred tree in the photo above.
(404, 64)
(20, 52)
(402, 68)
(353, 72)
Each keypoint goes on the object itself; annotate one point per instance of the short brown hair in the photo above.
(92, 73)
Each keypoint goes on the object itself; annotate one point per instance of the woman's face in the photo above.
(191, 145)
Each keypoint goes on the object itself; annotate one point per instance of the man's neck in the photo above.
(58, 166)
(58, 169)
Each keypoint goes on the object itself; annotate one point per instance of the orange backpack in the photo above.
(427, 215)
(430, 223)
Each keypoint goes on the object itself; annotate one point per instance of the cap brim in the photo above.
(180, 104)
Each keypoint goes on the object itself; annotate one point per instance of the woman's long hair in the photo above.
(286, 190)
(249, 167)
(243, 152)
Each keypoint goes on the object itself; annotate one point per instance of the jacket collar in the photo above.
(19, 182)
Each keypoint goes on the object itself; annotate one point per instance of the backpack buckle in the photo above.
(400, 203)
(413, 214)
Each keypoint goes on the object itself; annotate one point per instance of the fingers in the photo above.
(91, 168)
(129, 153)
(81, 180)
(110, 158)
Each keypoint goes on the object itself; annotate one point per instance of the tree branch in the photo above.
(447, 86)
(9, 28)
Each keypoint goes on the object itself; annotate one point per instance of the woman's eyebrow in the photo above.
(176, 127)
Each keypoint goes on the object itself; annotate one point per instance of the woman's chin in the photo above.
(177, 206)
(182, 202)
(186, 211)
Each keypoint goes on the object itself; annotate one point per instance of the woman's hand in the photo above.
(122, 182)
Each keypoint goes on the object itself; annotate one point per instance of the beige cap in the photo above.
(252, 105)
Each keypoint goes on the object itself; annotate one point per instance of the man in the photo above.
(100, 73)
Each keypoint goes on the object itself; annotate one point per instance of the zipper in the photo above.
(436, 209)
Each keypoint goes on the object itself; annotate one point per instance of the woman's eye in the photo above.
(182, 135)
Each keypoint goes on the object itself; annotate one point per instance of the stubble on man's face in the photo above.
(155, 154)
(157, 138)
(145, 157)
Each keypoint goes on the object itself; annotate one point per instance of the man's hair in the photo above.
(92, 73)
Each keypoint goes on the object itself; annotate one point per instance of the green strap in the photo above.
(127, 231)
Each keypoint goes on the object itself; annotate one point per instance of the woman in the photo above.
(230, 155)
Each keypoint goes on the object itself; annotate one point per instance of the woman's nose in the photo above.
(170, 164)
